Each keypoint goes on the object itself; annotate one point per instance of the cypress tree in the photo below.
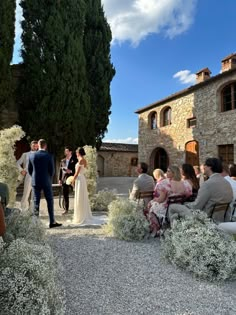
(100, 71)
(7, 34)
(54, 99)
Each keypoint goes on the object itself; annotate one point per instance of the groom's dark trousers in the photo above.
(41, 168)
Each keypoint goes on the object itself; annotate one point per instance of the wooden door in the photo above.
(192, 153)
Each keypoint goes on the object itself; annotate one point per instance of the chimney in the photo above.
(228, 63)
(203, 75)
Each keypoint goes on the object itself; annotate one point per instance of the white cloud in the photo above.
(134, 20)
(185, 77)
(128, 140)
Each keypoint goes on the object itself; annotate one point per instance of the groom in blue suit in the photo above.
(41, 168)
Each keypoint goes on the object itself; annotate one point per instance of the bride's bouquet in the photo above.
(69, 180)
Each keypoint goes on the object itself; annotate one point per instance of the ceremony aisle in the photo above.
(106, 276)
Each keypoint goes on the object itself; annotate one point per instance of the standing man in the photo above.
(41, 168)
(67, 168)
(22, 164)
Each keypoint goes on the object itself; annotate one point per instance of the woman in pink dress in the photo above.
(172, 185)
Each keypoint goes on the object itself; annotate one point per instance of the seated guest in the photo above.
(143, 183)
(199, 172)
(159, 175)
(227, 171)
(169, 186)
(187, 172)
(215, 190)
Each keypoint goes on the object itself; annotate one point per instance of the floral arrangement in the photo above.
(101, 200)
(69, 180)
(28, 281)
(24, 225)
(195, 244)
(9, 171)
(91, 172)
(126, 220)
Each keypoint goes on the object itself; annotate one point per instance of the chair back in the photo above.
(146, 196)
(180, 199)
(220, 207)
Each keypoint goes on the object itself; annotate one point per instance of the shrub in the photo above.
(126, 220)
(28, 282)
(9, 171)
(24, 225)
(91, 173)
(102, 199)
(195, 244)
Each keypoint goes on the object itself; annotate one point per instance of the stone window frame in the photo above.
(226, 153)
(190, 122)
(165, 116)
(231, 94)
(152, 120)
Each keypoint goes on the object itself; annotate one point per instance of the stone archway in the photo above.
(192, 153)
(159, 159)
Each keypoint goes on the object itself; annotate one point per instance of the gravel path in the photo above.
(103, 275)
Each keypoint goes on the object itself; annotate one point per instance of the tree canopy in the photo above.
(7, 34)
(61, 97)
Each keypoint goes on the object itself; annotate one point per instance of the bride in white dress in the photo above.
(82, 209)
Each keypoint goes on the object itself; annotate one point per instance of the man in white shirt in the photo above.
(22, 164)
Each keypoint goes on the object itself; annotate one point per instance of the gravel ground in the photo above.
(104, 275)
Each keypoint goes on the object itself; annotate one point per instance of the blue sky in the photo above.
(158, 46)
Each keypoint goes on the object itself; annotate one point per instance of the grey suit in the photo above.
(215, 190)
(144, 182)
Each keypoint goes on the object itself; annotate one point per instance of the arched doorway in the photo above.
(100, 165)
(192, 153)
(160, 159)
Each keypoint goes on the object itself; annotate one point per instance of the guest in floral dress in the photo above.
(159, 176)
(169, 186)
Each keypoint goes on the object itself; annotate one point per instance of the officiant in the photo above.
(67, 168)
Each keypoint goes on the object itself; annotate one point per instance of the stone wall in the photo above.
(116, 163)
(213, 126)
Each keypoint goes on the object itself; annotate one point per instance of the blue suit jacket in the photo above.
(41, 168)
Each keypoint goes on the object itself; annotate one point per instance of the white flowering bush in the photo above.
(9, 171)
(24, 225)
(28, 281)
(101, 200)
(195, 244)
(91, 172)
(126, 220)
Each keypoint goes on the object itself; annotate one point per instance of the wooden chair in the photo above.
(219, 207)
(179, 199)
(233, 210)
(145, 196)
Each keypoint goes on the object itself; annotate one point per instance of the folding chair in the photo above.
(219, 207)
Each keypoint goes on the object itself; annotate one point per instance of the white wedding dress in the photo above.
(82, 210)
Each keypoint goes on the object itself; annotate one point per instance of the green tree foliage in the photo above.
(100, 71)
(54, 96)
(7, 34)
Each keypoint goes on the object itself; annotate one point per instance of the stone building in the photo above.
(192, 124)
(117, 159)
